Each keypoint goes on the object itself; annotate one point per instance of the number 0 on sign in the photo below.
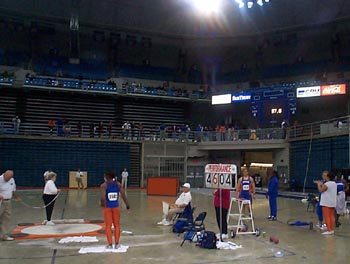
(222, 176)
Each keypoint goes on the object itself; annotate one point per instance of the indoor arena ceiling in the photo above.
(179, 18)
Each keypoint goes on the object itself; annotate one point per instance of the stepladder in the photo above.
(240, 221)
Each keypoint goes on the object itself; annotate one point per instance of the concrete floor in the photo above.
(156, 244)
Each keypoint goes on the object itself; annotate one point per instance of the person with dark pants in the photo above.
(225, 205)
(272, 193)
(49, 197)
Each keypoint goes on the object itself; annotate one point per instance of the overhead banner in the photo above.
(303, 92)
(245, 97)
(221, 99)
(323, 90)
(333, 89)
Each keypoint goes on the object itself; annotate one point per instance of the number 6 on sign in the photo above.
(221, 176)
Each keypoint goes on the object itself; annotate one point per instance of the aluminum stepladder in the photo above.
(240, 228)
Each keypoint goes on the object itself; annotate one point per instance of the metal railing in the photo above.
(334, 126)
(150, 134)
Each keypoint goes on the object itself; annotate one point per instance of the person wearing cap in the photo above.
(179, 205)
(7, 191)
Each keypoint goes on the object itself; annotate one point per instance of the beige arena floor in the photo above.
(150, 243)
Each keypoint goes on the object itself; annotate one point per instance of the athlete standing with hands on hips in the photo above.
(110, 191)
(246, 188)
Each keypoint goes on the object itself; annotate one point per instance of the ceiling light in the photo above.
(250, 3)
(240, 3)
(207, 6)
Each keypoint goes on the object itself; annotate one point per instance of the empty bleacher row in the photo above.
(40, 110)
(110, 87)
(38, 107)
(152, 116)
(7, 112)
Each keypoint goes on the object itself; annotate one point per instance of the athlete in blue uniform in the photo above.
(110, 191)
(342, 187)
(246, 188)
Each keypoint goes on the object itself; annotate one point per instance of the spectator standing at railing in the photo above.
(128, 130)
(100, 129)
(110, 128)
(67, 128)
(188, 132)
(229, 133)
(173, 131)
(140, 132)
(295, 126)
(16, 124)
(198, 133)
(162, 128)
(133, 130)
(80, 129)
(182, 135)
(92, 128)
(284, 126)
(222, 133)
(59, 127)
(205, 133)
(51, 124)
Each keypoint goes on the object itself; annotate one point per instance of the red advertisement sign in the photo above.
(333, 89)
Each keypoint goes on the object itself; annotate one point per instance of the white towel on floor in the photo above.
(103, 249)
(227, 245)
(78, 239)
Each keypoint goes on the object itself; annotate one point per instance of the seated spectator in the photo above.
(178, 207)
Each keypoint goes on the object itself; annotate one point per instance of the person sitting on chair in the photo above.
(178, 207)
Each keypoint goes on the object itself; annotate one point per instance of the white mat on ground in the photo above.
(78, 239)
(103, 249)
(227, 245)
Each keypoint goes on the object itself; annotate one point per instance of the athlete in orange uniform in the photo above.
(109, 192)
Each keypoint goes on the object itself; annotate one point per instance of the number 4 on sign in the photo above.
(209, 178)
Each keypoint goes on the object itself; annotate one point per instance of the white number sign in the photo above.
(222, 176)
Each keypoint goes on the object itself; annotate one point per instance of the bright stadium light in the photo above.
(207, 6)
(250, 3)
(240, 3)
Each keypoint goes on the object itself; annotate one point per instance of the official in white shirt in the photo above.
(125, 176)
(79, 180)
(7, 191)
(179, 205)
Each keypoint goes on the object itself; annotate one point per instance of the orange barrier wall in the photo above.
(162, 186)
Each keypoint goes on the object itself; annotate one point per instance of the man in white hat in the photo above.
(179, 205)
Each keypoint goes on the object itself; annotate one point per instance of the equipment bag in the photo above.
(209, 240)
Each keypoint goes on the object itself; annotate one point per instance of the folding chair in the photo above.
(186, 217)
(186, 214)
(191, 231)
